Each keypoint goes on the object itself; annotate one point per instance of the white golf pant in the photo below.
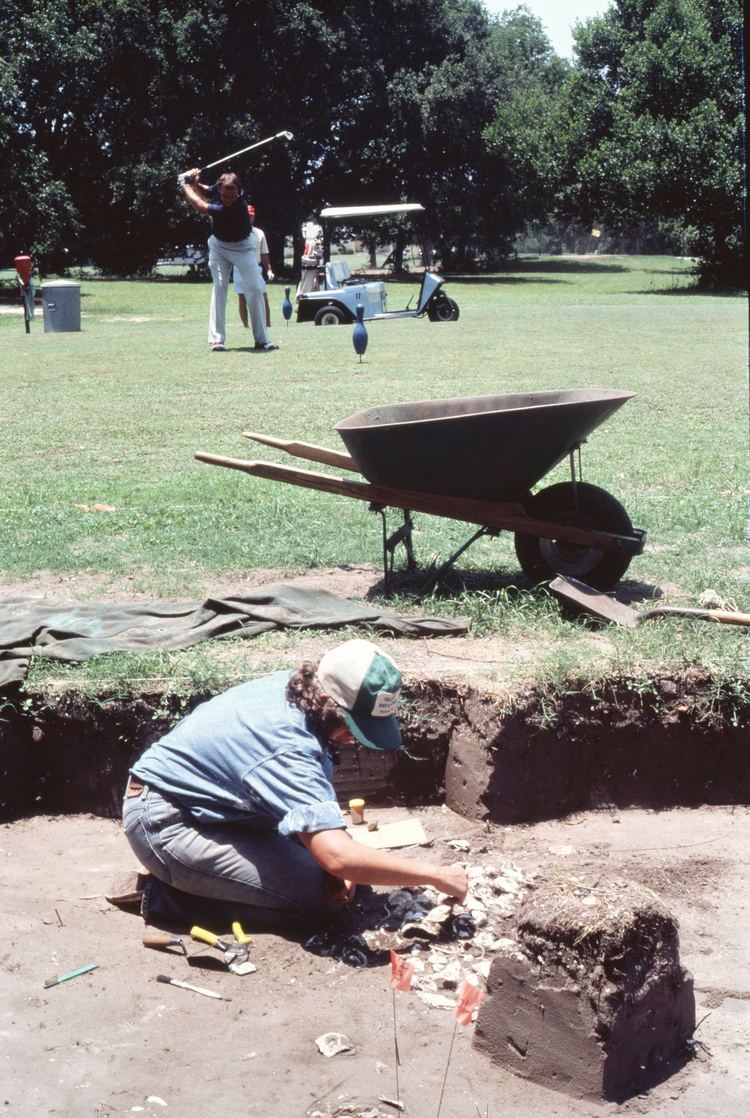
(222, 255)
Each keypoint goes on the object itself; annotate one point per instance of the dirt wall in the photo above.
(678, 741)
(666, 742)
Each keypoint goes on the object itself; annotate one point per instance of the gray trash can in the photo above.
(61, 304)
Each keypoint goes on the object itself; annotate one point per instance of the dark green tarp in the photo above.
(74, 631)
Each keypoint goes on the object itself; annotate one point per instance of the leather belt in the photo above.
(134, 788)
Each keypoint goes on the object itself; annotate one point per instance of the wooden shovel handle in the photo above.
(722, 616)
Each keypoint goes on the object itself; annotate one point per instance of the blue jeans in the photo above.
(221, 872)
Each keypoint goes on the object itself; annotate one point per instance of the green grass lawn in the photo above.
(112, 415)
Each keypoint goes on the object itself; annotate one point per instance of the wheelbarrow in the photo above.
(476, 459)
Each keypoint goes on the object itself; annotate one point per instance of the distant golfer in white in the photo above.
(261, 249)
(230, 245)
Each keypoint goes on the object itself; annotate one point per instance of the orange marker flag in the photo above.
(469, 997)
(401, 972)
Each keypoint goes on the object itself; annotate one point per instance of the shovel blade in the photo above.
(594, 601)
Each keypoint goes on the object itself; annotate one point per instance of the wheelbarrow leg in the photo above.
(390, 543)
(432, 582)
(404, 534)
(575, 475)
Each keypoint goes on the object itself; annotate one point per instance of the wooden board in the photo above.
(389, 836)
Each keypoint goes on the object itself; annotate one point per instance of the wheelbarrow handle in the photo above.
(309, 451)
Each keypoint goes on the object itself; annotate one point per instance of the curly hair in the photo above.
(304, 691)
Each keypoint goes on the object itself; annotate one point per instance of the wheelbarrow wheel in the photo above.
(542, 559)
(443, 310)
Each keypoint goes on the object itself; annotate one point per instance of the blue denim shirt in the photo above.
(246, 756)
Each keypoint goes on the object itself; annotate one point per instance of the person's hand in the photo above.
(454, 882)
(271, 276)
(339, 890)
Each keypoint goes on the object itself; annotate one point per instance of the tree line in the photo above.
(103, 104)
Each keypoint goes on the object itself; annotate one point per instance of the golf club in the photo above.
(225, 158)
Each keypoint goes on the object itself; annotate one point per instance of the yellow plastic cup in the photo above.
(357, 811)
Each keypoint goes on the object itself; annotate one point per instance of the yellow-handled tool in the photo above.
(235, 953)
(205, 936)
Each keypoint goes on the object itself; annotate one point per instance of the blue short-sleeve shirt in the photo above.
(247, 756)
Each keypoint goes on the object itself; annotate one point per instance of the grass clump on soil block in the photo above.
(619, 926)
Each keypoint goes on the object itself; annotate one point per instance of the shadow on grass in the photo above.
(423, 581)
(668, 272)
(532, 271)
(249, 349)
(413, 280)
(691, 289)
(498, 281)
(426, 581)
(567, 266)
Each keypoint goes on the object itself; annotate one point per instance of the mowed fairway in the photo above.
(113, 415)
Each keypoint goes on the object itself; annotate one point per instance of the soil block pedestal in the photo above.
(592, 1001)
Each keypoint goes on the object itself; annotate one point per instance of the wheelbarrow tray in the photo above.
(493, 448)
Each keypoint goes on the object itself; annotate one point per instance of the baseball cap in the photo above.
(365, 684)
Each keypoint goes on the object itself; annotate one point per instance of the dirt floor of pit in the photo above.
(116, 1042)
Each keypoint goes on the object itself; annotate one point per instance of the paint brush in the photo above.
(189, 986)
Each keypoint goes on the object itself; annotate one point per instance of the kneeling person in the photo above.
(233, 813)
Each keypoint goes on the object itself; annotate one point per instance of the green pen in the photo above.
(71, 974)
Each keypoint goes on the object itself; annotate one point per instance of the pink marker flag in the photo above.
(469, 997)
(401, 972)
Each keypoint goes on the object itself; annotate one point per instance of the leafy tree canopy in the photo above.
(647, 126)
(102, 104)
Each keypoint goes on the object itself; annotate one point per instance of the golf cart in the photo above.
(329, 295)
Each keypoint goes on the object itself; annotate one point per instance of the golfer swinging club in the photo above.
(230, 244)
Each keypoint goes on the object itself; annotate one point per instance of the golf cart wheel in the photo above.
(330, 316)
(443, 310)
(542, 559)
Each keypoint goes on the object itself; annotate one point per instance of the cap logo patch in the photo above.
(386, 704)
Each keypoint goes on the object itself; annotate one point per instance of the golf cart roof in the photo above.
(342, 213)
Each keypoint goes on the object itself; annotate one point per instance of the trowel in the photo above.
(601, 605)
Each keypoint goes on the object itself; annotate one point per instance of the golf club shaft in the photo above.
(242, 151)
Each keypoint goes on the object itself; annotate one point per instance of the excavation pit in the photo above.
(525, 778)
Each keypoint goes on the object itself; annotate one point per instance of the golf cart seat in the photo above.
(337, 273)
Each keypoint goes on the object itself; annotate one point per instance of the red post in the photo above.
(23, 267)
